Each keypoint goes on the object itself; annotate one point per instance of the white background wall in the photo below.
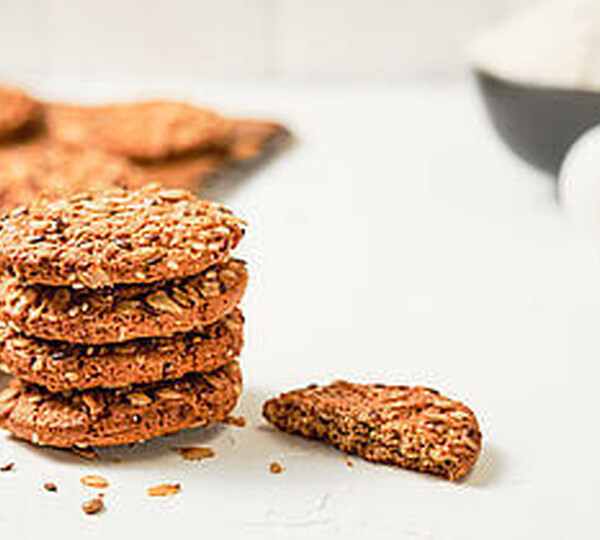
(259, 39)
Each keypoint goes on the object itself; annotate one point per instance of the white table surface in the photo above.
(397, 242)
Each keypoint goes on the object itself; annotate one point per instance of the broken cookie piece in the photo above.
(410, 427)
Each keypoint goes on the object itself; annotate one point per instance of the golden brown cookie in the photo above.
(187, 172)
(60, 366)
(111, 417)
(124, 312)
(252, 143)
(115, 237)
(248, 142)
(17, 109)
(52, 171)
(157, 129)
(414, 428)
(69, 125)
(255, 140)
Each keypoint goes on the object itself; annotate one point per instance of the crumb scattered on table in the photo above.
(86, 453)
(237, 421)
(95, 481)
(93, 506)
(275, 467)
(164, 490)
(195, 453)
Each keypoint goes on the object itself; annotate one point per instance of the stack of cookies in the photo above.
(119, 317)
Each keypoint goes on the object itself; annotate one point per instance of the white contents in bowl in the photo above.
(553, 44)
(579, 185)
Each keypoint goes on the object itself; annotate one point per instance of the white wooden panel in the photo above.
(20, 39)
(380, 38)
(93, 38)
(207, 37)
(184, 38)
(298, 39)
(506, 8)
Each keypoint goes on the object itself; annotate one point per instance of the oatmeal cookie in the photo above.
(52, 171)
(125, 312)
(414, 428)
(102, 417)
(253, 142)
(60, 366)
(157, 129)
(69, 125)
(17, 109)
(191, 171)
(115, 237)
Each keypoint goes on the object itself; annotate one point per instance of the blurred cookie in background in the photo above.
(157, 129)
(68, 124)
(176, 144)
(55, 149)
(18, 110)
(51, 170)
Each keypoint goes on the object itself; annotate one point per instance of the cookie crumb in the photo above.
(8, 467)
(93, 506)
(94, 481)
(50, 486)
(86, 453)
(237, 421)
(195, 453)
(164, 490)
(275, 467)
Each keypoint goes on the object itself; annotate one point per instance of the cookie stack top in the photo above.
(116, 237)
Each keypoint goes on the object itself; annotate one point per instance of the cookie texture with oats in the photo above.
(411, 427)
(60, 366)
(106, 417)
(157, 129)
(124, 312)
(115, 237)
(53, 170)
(17, 109)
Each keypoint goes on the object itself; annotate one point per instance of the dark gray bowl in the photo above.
(539, 124)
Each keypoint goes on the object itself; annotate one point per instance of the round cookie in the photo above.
(53, 170)
(17, 109)
(157, 129)
(68, 124)
(118, 236)
(126, 312)
(111, 417)
(61, 366)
